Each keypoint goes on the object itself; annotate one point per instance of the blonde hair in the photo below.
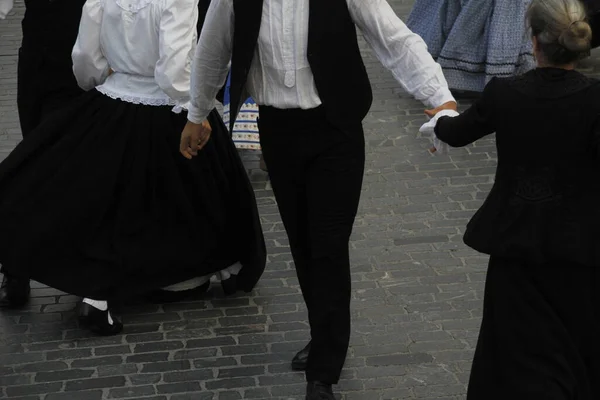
(561, 29)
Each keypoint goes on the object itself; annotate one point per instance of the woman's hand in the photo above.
(451, 105)
(193, 138)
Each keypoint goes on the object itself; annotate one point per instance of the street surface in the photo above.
(417, 288)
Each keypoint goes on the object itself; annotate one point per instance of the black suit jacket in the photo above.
(544, 205)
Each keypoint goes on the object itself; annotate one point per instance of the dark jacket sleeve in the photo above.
(476, 122)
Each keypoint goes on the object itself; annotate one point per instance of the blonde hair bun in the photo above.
(561, 30)
(577, 37)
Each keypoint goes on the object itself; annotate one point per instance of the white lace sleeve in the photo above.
(89, 64)
(177, 42)
(5, 7)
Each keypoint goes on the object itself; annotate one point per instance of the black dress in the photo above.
(540, 224)
(97, 201)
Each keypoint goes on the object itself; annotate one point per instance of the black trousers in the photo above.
(316, 171)
(45, 80)
(540, 332)
(42, 88)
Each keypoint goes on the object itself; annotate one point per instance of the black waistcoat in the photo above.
(333, 54)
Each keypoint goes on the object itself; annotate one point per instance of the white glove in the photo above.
(428, 128)
(5, 7)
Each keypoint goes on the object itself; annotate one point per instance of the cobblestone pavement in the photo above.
(417, 289)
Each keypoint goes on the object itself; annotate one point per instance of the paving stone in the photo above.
(194, 396)
(26, 390)
(96, 383)
(169, 366)
(138, 391)
(15, 380)
(230, 383)
(185, 376)
(83, 395)
(64, 375)
(181, 387)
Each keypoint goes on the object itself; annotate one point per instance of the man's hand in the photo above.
(451, 105)
(193, 138)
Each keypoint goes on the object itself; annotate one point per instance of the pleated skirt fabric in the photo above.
(97, 201)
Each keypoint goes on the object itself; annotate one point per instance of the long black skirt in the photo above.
(98, 202)
(540, 336)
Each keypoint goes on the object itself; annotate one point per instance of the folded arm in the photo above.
(90, 67)
(177, 40)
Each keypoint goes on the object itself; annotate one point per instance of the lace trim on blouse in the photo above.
(178, 107)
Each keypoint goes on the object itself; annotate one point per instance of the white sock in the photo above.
(228, 272)
(100, 305)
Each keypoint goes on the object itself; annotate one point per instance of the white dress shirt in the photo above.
(149, 44)
(280, 75)
(5, 7)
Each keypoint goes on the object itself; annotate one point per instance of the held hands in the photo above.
(451, 105)
(448, 109)
(193, 138)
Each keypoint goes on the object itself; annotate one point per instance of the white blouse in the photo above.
(280, 73)
(5, 7)
(148, 44)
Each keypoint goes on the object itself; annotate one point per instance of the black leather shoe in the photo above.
(14, 292)
(168, 296)
(230, 285)
(319, 391)
(98, 321)
(300, 360)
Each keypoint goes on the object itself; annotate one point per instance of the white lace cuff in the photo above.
(428, 128)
